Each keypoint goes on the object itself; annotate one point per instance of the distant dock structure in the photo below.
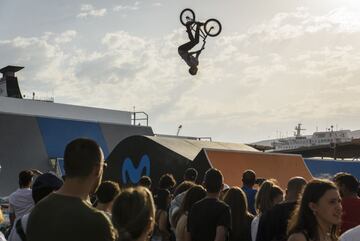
(336, 144)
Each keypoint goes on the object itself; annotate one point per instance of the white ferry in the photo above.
(319, 138)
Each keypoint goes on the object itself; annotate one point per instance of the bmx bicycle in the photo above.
(211, 27)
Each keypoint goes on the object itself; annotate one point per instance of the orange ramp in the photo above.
(279, 166)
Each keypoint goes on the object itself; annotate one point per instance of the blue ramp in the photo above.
(57, 133)
(328, 168)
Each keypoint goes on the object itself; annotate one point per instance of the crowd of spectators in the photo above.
(83, 207)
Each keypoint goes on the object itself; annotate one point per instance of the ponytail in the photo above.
(264, 199)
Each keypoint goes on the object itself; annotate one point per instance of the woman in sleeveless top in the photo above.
(318, 214)
(162, 228)
(194, 194)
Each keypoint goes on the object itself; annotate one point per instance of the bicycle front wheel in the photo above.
(187, 15)
(212, 27)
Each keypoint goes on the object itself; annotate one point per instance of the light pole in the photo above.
(178, 130)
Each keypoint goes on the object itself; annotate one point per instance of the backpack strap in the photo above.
(20, 231)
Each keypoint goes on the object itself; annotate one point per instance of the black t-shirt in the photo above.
(242, 232)
(205, 216)
(273, 224)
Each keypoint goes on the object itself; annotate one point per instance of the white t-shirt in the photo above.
(174, 206)
(14, 236)
(21, 202)
(181, 228)
(2, 237)
(254, 227)
(351, 235)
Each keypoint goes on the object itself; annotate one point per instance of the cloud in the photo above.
(133, 7)
(45, 58)
(292, 25)
(292, 67)
(88, 10)
(66, 37)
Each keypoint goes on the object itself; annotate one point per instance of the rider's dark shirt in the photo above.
(188, 58)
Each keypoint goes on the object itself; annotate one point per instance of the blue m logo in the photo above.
(134, 174)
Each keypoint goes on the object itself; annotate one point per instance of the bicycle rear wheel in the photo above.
(187, 15)
(212, 27)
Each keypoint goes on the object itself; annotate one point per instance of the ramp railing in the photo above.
(139, 118)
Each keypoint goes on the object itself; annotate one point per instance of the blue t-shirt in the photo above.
(250, 195)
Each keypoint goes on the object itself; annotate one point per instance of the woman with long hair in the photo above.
(318, 214)
(241, 218)
(133, 214)
(268, 195)
(193, 195)
(162, 229)
(175, 205)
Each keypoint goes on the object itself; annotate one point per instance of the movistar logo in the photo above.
(134, 173)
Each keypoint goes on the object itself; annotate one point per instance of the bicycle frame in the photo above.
(187, 17)
(202, 34)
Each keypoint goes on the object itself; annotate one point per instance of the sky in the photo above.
(275, 63)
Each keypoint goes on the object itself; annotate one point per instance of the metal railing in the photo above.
(136, 120)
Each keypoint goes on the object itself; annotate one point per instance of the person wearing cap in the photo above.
(42, 187)
(21, 201)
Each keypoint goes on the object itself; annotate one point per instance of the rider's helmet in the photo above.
(193, 70)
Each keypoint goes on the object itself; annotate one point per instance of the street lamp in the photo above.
(178, 131)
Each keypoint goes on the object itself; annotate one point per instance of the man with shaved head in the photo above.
(294, 188)
(68, 214)
(273, 224)
(248, 179)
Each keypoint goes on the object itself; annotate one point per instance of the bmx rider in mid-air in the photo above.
(191, 58)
